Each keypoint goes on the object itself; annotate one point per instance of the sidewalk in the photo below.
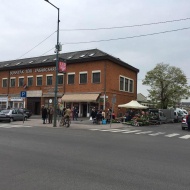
(81, 123)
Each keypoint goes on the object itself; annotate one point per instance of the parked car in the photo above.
(26, 111)
(184, 124)
(12, 115)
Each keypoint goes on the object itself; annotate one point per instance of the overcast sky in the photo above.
(24, 24)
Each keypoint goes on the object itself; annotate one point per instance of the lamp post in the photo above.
(56, 70)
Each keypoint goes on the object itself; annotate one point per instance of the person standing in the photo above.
(50, 114)
(44, 114)
(188, 120)
(75, 113)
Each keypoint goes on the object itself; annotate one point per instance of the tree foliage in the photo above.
(168, 85)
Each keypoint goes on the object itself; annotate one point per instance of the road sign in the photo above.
(23, 94)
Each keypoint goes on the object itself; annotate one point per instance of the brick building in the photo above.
(92, 79)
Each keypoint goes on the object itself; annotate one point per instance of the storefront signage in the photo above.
(3, 99)
(16, 99)
(38, 70)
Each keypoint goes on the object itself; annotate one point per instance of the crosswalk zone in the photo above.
(140, 132)
(8, 126)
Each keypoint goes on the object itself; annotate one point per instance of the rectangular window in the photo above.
(21, 81)
(121, 83)
(131, 86)
(12, 82)
(39, 80)
(83, 78)
(30, 81)
(60, 79)
(49, 79)
(4, 82)
(71, 78)
(96, 77)
(126, 84)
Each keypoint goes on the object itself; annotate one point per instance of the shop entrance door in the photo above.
(84, 110)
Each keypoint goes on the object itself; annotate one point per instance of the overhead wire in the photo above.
(123, 38)
(128, 26)
(37, 45)
(115, 27)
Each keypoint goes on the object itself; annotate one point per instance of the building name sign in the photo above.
(38, 70)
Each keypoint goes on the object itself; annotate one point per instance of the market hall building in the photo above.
(93, 78)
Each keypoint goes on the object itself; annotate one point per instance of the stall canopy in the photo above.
(80, 97)
(133, 104)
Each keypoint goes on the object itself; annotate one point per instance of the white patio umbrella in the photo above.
(133, 104)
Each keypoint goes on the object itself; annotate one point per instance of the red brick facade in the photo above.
(109, 85)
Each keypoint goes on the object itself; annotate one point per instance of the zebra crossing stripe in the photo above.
(159, 133)
(185, 137)
(144, 132)
(131, 131)
(172, 135)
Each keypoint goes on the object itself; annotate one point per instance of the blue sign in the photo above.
(23, 94)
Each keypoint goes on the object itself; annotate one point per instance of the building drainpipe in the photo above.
(104, 107)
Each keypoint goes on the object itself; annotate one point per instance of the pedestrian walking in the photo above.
(188, 120)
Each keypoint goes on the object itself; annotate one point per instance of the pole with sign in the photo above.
(23, 95)
(113, 102)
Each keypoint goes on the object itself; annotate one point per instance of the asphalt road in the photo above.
(59, 159)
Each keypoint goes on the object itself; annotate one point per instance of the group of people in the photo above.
(99, 115)
(47, 114)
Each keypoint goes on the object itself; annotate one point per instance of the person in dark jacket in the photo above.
(44, 114)
(188, 120)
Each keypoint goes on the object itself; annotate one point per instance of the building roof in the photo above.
(71, 57)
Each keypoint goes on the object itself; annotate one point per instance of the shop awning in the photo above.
(80, 97)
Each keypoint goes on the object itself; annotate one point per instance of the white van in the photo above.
(178, 115)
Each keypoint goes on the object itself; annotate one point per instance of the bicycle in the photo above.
(65, 122)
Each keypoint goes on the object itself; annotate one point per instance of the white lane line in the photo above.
(95, 129)
(132, 131)
(185, 137)
(172, 135)
(144, 132)
(155, 134)
(118, 131)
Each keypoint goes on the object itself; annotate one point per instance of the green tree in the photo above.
(168, 85)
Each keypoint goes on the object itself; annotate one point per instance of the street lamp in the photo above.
(56, 70)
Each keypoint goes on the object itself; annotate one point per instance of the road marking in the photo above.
(185, 137)
(132, 131)
(94, 129)
(8, 126)
(144, 132)
(172, 135)
(155, 134)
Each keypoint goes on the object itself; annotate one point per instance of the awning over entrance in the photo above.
(80, 97)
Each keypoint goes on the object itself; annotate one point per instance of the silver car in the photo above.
(12, 115)
(184, 124)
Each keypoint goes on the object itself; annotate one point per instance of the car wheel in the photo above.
(11, 119)
(183, 128)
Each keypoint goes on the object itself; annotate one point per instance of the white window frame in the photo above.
(49, 75)
(37, 80)
(61, 74)
(22, 77)
(29, 77)
(72, 73)
(129, 79)
(10, 81)
(83, 72)
(2, 82)
(96, 71)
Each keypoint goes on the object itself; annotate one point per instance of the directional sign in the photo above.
(23, 94)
